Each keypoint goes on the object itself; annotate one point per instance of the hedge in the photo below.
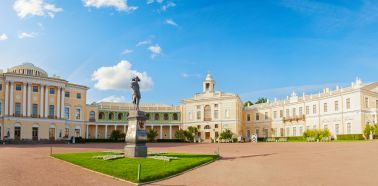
(104, 141)
(170, 141)
(350, 137)
(295, 138)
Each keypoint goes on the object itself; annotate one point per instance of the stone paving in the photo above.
(344, 163)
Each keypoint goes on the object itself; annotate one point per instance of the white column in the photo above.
(106, 131)
(152, 127)
(124, 129)
(29, 99)
(87, 131)
(161, 131)
(24, 100)
(11, 111)
(6, 98)
(115, 127)
(41, 92)
(170, 131)
(96, 131)
(62, 105)
(58, 104)
(46, 101)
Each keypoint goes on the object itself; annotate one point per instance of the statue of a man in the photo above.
(136, 93)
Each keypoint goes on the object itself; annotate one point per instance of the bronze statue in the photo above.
(136, 93)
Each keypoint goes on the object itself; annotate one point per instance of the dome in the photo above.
(28, 69)
(209, 77)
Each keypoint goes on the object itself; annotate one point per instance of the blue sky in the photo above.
(252, 48)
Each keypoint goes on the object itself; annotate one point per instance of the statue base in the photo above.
(136, 136)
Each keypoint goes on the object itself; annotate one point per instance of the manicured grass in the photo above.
(127, 168)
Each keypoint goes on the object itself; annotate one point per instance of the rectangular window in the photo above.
(78, 113)
(336, 106)
(257, 116)
(198, 115)
(35, 133)
(35, 88)
(198, 106)
(307, 110)
(281, 113)
(349, 128)
(337, 129)
(300, 111)
(18, 87)
(348, 103)
(190, 116)
(366, 102)
(35, 110)
(294, 131)
(227, 113)
(216, 114)
(215, 105)
(294, 112)
(18, 109)
(67, 94)
(51, 111)
(325, 107)
(287, 131)
(257, 132)
(325, 126)
(67, 112)
(1, 87)
(266, 132)
(314, 109)
(1, 111)
(52, 90)
(300, 131)
(66, 132)
(248, 117)
(287, 113)
(275, 114)
(266, 116)
(78, 96)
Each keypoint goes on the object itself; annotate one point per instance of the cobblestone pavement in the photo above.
(344, 163)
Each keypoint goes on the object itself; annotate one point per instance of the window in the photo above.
(1, 87)
(281, 113)
(376, 103)
(18, 87)
(325, 126)
(207, 113)
(349, 128)
(266, 115)
(67, 112)
(35, 88)
(198, 106)
(288, 131)
(216, 114)
(325, 107)
(92, 115)
(52, 90)
(190, 115)
(275, 114)
(300, 111)
(287, 113)
(275, 132)
(120, 116)
(35, 133)
(300, 131)
(148, 116)
(257, 132)
(78, 96)
(348, 103)
(0, 112)
(294, 112)
(51, 110)
(35, 110)
(366, 102)
(198, 115)
(294, 131)
(66, 132)
(314, 109)
(337, 129)
(336, 106)
(67, 94)
(314, 127)
(227, 113)
(216, 126)
(207, 127)
(175, 116)
(18, 109)
(282, 133)
(157, 117)
(215, 105)
(101, 115)
(257, 117)
(307, 110)
(165, 116)
(248, 117)
(266, 132)
(78, 113)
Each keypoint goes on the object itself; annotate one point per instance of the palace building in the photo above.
(38, 108)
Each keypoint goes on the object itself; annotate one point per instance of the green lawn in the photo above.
(127, 168)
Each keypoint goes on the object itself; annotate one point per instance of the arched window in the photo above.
(175, 116)
(148, 116)
(111, 116)
(207, 113)
(166, 116)
(207, 127)
(157, 117)
(120, 116)
(101, 116)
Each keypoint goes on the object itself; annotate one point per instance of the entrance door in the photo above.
(17, 133)
(52, 134)
(207, 135)
(35, 134)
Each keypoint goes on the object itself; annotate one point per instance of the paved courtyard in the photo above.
(347, 163)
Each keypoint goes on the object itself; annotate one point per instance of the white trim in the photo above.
(52, 127)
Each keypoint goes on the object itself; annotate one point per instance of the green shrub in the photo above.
(117, 135)
(226, 135)
(170, 141)
(104, 141)
(151, 135)
(316, 134)
(295, 138)
(350, 137)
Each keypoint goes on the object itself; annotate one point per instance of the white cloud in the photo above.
(153, 1)
(171, 22)
(170, 4)
(155, 50)
(145, 42)
(120, 5)
(118, 77)
(113, 99)
(186, 75)
(23, 35)
(127, 51)
(3, 37)
(25, 8)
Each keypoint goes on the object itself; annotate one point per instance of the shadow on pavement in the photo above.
(247, 156)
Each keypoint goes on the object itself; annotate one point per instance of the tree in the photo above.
(180, 134)
(248, 103)
(226, 135)
(261, 100)
(117, 135)
(367, 130)
(192, 132)
(151, 135)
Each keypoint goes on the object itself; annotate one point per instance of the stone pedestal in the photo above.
(136, 136)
